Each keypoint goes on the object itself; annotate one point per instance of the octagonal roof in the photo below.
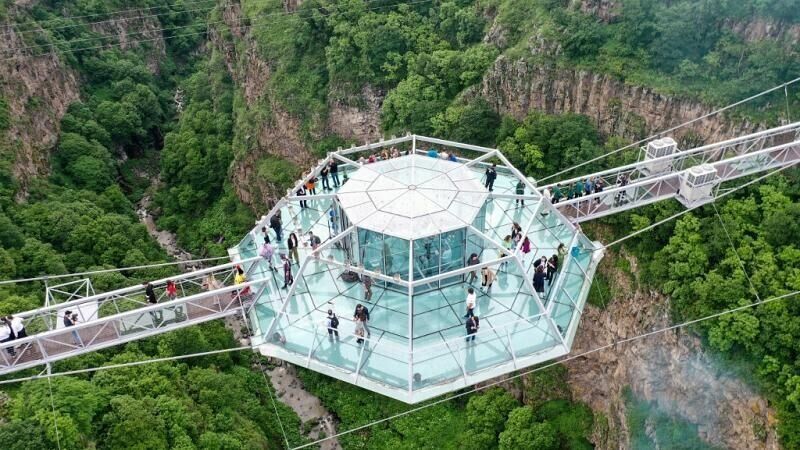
(412, 196)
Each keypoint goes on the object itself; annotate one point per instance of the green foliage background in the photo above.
(427, 58)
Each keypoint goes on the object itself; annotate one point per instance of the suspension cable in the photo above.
(120, 269)
(261, 23)
(651, 226)
(560, 361)
(641, 141)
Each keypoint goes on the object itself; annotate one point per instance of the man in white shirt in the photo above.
(472, 299)
(17, 326)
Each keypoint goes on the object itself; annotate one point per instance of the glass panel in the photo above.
(396, 257)
(427, 252)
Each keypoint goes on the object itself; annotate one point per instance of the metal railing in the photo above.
(107, 331)
(650, 190)
(682, 160)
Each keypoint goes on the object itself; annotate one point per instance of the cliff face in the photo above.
(268, 129)
(38, 91)
(39, 87)
(670, 369)
(517, 87)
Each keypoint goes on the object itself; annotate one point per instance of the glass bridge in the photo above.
(411, 223)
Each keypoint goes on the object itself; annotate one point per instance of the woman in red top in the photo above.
(172, 290)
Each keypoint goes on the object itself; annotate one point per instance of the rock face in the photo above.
(39, 87)
(517, 87)
(605, 10)
(38, 90)
(670, 369)
(276, 132)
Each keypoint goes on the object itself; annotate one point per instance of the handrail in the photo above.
(138, 311)
(133, 288)
(682, 154)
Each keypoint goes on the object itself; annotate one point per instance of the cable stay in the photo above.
(98, 321)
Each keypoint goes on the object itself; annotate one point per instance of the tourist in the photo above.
(288, 279)
(472, 261)
(472, 300)
(265, 234)
(266, 252)
(557, 194)
(540, 263)
(367, 281)
(491, 175)
(552, 267)
(488, 277)
(324, 175)
(372, 158)
(238, 275)
(472, 325)
(562, 251)
(293, 243)
(332, 324)
(395, 153)
(362, 313)
(172, 290)
(313, 240)
(526, 247)
(444, 155)
(333, 222)
(334, 170)
(150, 293)
(311, 186)
(361, 326)
(508, 248)
(240, 278)
(70, 319)
(384, 154)
(516, 233)
(452, 157)
(433, 153)
(588, 187)
(17, 326)
(598, 188)
(538, 280)
(520, 190)
(276, 224)
(302, 193)
(7, 335)
(547, 194)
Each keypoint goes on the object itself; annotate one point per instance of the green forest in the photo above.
(127, 139)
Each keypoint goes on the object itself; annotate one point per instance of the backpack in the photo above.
(334, 321)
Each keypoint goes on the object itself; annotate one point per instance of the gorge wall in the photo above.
(266, 128)
(38, 85)
(38, 90)
(517, 87)
(671, 370)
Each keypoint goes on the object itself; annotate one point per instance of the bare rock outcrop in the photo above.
(271, 129)
(517, 87)
(670, 369)
(38, 88)
(605, 10)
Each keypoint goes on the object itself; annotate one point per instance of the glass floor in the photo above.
(416, 347)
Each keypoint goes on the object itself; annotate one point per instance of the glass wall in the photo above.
(385, 254)
(438, 254)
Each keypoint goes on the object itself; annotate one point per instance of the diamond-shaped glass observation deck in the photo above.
(411, 222)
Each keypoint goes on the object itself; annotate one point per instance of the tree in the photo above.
(486, 415)
(522, 432)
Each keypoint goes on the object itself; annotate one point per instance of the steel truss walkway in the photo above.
(651, 180)
(123, 315)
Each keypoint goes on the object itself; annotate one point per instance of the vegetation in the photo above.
(427, 59)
